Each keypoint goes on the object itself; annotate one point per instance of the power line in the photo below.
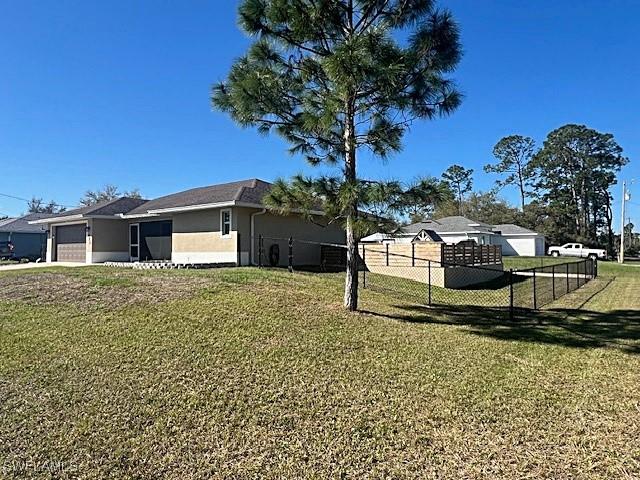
(14, 197)
(27, 200)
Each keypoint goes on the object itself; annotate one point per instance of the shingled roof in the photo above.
(101, 209)
(249, 192)
(242, 193)
(22, 225)
(511, 229)
(448, 225)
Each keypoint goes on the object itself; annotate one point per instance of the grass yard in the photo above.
(530, 262)
(246, 373)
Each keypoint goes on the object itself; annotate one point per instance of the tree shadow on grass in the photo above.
(568, 327)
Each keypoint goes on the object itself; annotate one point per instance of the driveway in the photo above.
(25, 266)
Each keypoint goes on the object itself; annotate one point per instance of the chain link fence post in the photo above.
(568, 289)
(260, 241)
(535, 297)
(553, 281)
(511, 293)
(290, 254)
(429, 269)
(364, 266)
(584, 271)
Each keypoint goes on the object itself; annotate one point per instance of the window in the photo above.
(225, 222)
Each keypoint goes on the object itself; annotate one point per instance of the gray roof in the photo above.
(511, 229)
(4, 221)
(246, 191)
(107, 208)
(21, 224)
(448, 225)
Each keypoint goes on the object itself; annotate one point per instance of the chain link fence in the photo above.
(536, 287)
(429, 282)
(435, 283)
(297, 254)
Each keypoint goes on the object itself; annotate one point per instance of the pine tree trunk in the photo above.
(609, 216)
(521, 185)
(351, 281)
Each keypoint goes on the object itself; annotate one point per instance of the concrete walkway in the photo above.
(26, 266)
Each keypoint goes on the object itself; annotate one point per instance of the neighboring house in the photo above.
(214, 224)
(27, 240)
(514, 240)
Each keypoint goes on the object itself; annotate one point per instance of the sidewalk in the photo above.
(26, 266)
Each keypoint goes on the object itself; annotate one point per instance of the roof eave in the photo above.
(137, 215)
(465, 232)
(206, 206)
(68, 218)
(65, 218)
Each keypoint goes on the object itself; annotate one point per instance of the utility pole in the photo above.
(624, 201)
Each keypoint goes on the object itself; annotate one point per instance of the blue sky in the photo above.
(118, 92)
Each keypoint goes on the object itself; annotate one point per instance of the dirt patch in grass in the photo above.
(91, 292)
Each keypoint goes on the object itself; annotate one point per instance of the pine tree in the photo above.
(334, 77)
(514, 154)
(460, 181)
(575, 169)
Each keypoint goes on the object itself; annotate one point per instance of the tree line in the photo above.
(90, 197)
(565, 185)
(563, 190)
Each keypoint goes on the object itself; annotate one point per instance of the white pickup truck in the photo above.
(577, 250)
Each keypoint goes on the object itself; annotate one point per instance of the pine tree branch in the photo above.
(362, 27)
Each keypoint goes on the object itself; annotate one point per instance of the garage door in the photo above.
(71, 243)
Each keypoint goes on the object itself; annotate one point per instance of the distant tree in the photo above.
(336, 77)
(576, 168)
(460, 181)
(422, 196)
(37, 205)
(514, 154)
(108, 192)
(484, 207)
(536, 217)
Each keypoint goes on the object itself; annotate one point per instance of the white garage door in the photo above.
(522, 246)
(71, 243)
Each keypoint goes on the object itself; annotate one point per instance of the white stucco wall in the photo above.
(521, 245)
(454, 238)
(481, 239)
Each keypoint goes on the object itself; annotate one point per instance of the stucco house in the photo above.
(515, 240)
(20, 239)
(214, 224)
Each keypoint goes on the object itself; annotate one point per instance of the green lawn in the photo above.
(530, 262)
(246, 373)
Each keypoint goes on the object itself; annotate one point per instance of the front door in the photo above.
(134, 242)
